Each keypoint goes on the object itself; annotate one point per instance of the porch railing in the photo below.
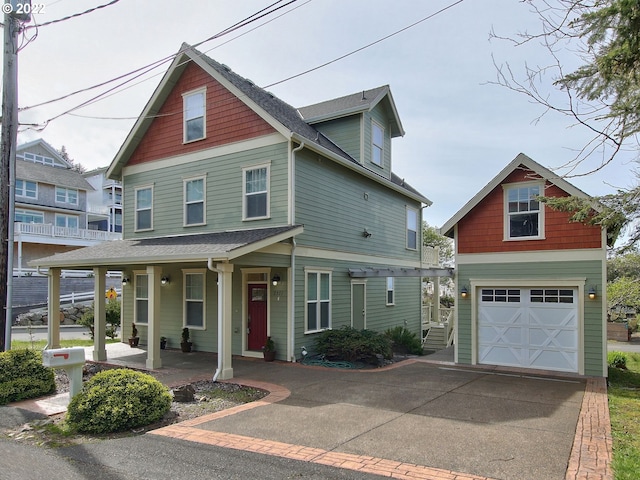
(52, 231)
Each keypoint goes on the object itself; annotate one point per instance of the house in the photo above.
(50, 206)
(104, 203)
(246, 218)
(531, 286)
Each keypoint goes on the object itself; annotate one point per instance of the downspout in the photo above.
(213, 269)
(292, 283)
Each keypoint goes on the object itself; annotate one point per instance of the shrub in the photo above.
(617, 359)
(23, 376)
(117, 400)
(112, 315)
(404, 341)
(353, 345)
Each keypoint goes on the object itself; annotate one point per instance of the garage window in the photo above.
(552, 295)
(501, 295)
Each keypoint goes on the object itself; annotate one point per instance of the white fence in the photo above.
(51, 231)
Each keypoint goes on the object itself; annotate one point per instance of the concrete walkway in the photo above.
(415, 419)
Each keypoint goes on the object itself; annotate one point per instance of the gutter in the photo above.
(213, 269)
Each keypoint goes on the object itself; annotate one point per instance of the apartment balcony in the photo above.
(50, 234)
(430, 257)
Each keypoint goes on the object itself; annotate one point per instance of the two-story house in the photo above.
(246, 218)
(531, 285)
(50, 206)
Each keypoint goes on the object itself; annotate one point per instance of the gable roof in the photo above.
(25, 147)
(61, 177)
(280, 115)
(364, 101)
(520, 160)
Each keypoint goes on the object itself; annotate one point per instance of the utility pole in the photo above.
(8, 138)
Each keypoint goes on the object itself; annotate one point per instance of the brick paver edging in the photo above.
(592, 449)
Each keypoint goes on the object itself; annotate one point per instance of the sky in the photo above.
(461, 128)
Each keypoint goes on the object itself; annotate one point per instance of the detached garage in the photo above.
(531, 284)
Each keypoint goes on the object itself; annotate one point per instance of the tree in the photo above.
(602, 95)
(620, 266)
(65, 156)
(432, 238)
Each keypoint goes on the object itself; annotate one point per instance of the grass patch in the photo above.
(624, 409)
(40, 344)
(244, 395)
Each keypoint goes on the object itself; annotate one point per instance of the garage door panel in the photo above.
(508, 335)
(553, 360)
(561, 339)
(504, 355)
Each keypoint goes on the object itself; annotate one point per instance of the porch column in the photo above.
(225, 289)
(99, 314)
(53, 312)
(154, 274)
(436, 297)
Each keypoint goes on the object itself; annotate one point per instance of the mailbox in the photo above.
(71, 360)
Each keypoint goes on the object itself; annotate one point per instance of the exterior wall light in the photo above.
(165, 280)
(275, 280)
(125, 281)
(464, 292)
(366, 234)
(592, 292)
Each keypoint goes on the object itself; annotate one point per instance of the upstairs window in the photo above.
(67, 221)
(194, 115)
(144, 208)
(194, 205)
(28, 216)
(25, 188)
(66, 195)
(377, 143)
(523, 218)
(412, 229)
(256, 192)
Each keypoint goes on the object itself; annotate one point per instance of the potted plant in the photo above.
(134, 338)
(269, 350)
(163, 343)
(185, 345)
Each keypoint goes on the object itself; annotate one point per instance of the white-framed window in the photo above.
(28, 216)
(194, 201)
(67, 195)
(194, 105)
(377, 143)
(32, 157)
(412, 229)
(141, 288)
(144, 208)
(194, 282)
(255, 192)
(25, 188)
(67, 221)
(391, 291)
(523, 212)
(318, 300)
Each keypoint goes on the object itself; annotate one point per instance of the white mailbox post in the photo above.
(72, 360)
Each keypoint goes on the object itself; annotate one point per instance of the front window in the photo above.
(28, 216)
(141, 314)
(256, 192)
(412, 229)
(194, 204)
(25, 188)
(67, 195)
(144, 208)
(194, 116)
(194, 306)
(67, 221)
(318, 293)
(390, 290)
(377, 143)
(523, 219)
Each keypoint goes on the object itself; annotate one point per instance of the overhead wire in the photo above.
(69, 17)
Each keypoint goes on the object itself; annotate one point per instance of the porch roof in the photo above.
(219, 246)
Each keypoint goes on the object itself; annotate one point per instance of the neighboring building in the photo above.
(104, 203)
(246, 218)
(531, 285)
(50, 206)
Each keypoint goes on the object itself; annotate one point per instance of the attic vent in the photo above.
(226, 68)
(363, 97)
(250, 82)
(317, 136)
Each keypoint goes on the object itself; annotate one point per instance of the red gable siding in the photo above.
(482, 229)
(228, 120)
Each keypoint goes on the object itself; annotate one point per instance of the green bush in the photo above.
(117, 400)
(617, 359)
(23, 376)
(112, 316)
(353, 345)
(404, 341)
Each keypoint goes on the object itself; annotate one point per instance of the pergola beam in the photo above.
(400, 272)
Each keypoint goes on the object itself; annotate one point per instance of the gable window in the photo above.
(37, 158)
(141, 286)
(256, 192)
(67, 195)
(390, 291)
(194, 204)
(377, 143)
(25, 188)
(523, 212)
(318, 300)
(194, 305)
(194, 115)
(67, 221)
(412, 229)
(144, 208)
(28, 216)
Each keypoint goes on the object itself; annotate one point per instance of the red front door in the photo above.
(257, 316)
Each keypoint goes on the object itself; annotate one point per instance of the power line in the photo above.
(69, 17)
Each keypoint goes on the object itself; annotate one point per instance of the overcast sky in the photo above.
(461, 130)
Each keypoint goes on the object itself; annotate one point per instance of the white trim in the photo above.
(194, 271)
(267, 166)
(530, 256)
(185, 181)
(135, 207)
(185, 96)
(354, 257)
(387, 290)
(506, 187)
(319, 272)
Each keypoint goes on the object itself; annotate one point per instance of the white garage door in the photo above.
(528, 327)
